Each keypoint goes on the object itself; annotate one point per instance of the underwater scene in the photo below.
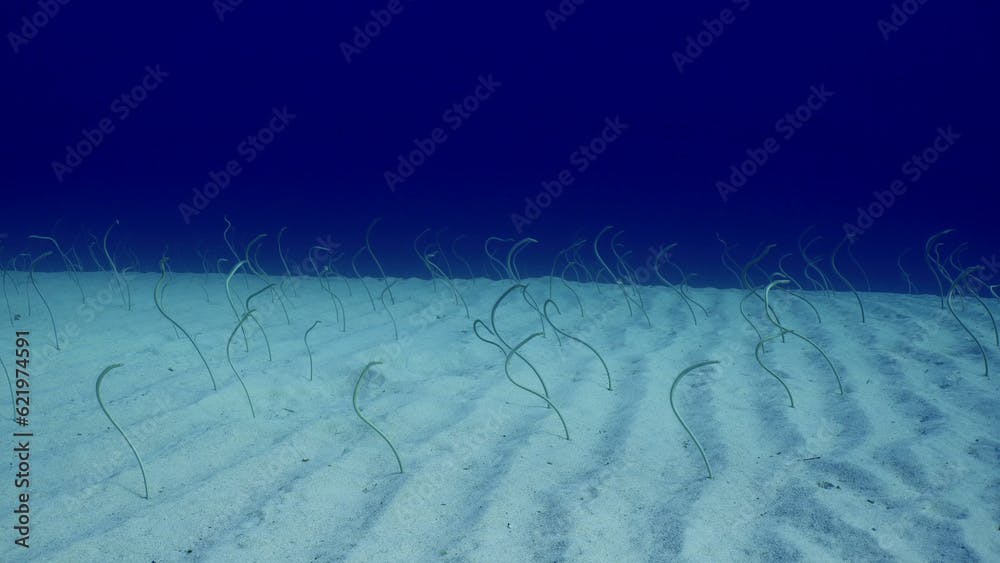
(558, 281)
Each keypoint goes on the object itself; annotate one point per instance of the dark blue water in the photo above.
(750, 120)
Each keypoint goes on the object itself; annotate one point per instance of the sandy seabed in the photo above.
(903, 466)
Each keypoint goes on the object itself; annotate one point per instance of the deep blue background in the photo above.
(323, 176)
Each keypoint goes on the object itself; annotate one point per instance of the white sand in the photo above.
(904, 466)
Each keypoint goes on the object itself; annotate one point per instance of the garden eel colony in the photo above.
(768, 289)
